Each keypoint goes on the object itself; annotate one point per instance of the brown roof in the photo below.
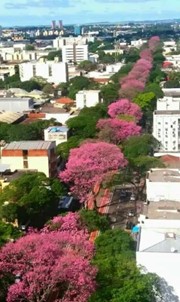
(171, 161)
(64, 100)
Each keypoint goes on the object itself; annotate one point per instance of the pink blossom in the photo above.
(124, 106)
(51, 264)
(90, 163)
(115, 130)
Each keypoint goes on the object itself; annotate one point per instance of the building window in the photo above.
(25, 164)
(34, 70)
(50, 71)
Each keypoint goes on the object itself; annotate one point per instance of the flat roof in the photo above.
(165, 209)
(29, 145)
(4, 99)
(164, 175)
(55, 129)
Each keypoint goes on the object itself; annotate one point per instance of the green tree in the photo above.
(146, 101)
(29, 47)
(76, 84)
(63, 149)
(84, 125)
(48, 89)
(87, 66)
(8, 232)
(132, 55)
(110, 93)
(94, 221)
(118, 277)
(155, 88)
(53, 54)
(32, 199)
(172, 84)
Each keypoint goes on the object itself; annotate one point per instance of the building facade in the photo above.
(52, 71)
(166, 124)
(31, 155)
(74, 53)
(59, 134)
(16, 104)
(87, 98)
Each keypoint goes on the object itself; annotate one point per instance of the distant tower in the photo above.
(77, 30)
(53, 24)
(60, 24)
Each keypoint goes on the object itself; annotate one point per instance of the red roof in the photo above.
(64, 100)
(167, 64)
(170, 158)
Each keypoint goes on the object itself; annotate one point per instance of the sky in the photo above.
(41, 12)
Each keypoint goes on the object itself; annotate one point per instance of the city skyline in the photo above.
(36, 12)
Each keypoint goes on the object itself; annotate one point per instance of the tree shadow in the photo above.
(167, 292)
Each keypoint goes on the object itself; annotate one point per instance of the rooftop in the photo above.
(162, 210)
(57, 129)
(29, 145)
(164, 175)
(64, 100)
(10, 117)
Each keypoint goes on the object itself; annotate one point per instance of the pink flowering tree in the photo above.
(153, 43)
(116, 131)
(146, 54)
(51, 265)
(124, 106)
(89, 164)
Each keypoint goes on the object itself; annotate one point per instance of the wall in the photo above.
(34, 163)
(162, 191)
(87, 98)
(51, 71)
(15, 105)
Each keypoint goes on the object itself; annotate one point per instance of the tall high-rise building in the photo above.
(60, 24)
(77, 30)
(53, 24)
(166, 123)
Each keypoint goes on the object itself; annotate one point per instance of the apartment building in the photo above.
(74, 53)
(166, 124)
(59, 42)
(31, 155)
(87, 98)
(53, 71)
(9, 54)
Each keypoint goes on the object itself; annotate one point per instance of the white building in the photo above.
(175, 60)
(74, 53)
(19, 55)
(52, 71)
(138, 43)
(16, 104)
(59, 134)
(59, 42)
(87, 98)
(169, 46)
(166, 124)
(31, 155)
(163, 184)
(158, 251)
